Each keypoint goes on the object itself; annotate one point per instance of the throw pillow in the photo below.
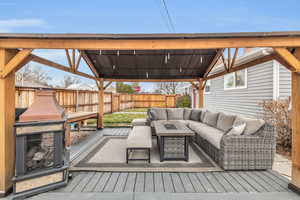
(161, 113)
(202, 115)
(187, 114)
(211, 118)
(195, 115)
(252, 125)
(175, 113)
(152, 115)
(225, 121)
(236, 129)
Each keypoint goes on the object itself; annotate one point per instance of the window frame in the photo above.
(235, 87)
(208, 81)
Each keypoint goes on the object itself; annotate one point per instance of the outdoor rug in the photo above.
(109, 154)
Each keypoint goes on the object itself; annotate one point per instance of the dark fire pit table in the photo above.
(173, 140)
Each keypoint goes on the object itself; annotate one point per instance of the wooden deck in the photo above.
(208, 182)
(229, 185)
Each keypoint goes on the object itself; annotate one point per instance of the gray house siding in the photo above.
(284, 81)
(243, 101)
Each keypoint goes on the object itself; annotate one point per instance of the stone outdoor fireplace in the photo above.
(41, 163)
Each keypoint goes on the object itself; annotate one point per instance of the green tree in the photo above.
(124, 88)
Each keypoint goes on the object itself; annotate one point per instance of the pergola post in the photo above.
(7, 120)
(295, 182)
(201, 93)
(101, 104)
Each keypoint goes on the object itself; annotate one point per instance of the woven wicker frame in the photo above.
(253, 152)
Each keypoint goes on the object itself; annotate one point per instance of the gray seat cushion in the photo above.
(195, 115)
(187, 113)
(252, 125)
(225, 121)
(211, 134)
(211, 118)
(175, 113)
(186, 122)
(139, 122)
(160, 113)
(140, 137)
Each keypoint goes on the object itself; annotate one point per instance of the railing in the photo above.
(83, 100)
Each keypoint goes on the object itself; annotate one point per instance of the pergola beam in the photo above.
(149, 80)
(151, 44)
(214, 62)
(107, 85)
(89, 63)
(60, 67)
(242, 66)
(16, 61)
(294, 63)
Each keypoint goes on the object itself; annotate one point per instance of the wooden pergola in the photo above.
(145, 58)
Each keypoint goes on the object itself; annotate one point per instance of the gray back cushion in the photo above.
(175, 113)
(211, 118)
(160, 113)
(195, 115)
(187, 113)
(252, 125)
(225, 121)
(202, 115)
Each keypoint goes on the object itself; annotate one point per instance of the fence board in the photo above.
(80, 100)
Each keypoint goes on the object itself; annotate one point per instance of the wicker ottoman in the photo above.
(139, 122)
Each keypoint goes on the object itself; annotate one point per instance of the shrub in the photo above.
(277, 113)
(183, 102)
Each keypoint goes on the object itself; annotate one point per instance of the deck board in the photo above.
(178, 182)
(93, 182)
(102, 182)
(158, 182)
(168, 184)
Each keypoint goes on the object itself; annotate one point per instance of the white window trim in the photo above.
(276, 72)
(240, 87)
(210, 88)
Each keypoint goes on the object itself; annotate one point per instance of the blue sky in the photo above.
(145, 16)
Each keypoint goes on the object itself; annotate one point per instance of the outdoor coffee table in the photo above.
(173, 140)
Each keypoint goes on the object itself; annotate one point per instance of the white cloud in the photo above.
(9, 25)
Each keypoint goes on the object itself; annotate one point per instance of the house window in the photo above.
(235, 80)
(207, 87)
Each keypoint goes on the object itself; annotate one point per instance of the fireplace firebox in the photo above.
(41, 163)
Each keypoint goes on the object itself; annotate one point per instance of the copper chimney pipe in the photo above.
(44, 108)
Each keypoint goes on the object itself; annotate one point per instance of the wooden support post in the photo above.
(201, 94)
(101, 104)
(7, 120)
(295, 182)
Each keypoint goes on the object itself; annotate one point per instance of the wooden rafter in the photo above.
(203, 84)
(243, 66)
(214, 62)
(287, 56)
(234, 58)
(73, 59)
(78, 61)
(149, 80)
(224, 61)
(68, 58)
(107, 85)
(60, 67)
(16, 61)
(89, 63)
(195, 85)
(229, 58)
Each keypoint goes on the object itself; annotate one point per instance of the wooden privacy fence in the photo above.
(83, 100)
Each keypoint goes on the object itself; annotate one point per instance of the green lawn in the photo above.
(135, 110)
(117, 119)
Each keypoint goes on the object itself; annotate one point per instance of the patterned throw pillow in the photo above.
(237, 129)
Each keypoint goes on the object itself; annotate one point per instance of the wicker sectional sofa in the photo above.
(254, 149)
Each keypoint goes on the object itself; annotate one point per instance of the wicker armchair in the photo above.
(243, 152)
